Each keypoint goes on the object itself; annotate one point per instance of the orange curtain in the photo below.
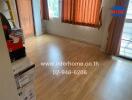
(115, 31)
(82, 12)
(44, 9)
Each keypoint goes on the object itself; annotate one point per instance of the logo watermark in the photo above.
(119, 10)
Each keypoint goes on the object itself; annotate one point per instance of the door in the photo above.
(126, 42)
(25, 14)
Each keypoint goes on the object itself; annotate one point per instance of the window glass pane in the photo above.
(126, 42)
(129, 11)
(53, 8)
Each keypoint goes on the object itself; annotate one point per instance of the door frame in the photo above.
(32, 15)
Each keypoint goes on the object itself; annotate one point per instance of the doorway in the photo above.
(25, 16)
(126, 42)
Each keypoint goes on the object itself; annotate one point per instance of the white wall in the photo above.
(107, 6)
(8, 89)
(82, 33)
(37, 17)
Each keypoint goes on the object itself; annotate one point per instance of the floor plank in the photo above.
(111, 80)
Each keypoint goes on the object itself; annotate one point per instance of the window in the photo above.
(53, 6)
(129, 11)
(126, 42)
(82, 12)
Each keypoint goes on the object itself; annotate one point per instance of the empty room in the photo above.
(65, 49)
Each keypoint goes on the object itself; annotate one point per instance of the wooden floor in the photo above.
(111, 80)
